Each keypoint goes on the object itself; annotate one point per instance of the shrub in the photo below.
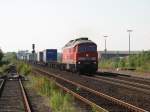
(23, 68)
(140, 62)
(59, 101)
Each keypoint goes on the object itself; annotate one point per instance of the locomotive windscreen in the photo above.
(87, 47)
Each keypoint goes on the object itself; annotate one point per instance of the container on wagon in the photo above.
(50, 55)
(40, 56)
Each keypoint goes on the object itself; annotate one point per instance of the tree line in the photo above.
(139, 62)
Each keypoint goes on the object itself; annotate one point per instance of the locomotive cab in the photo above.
(87, 58)
(80, 55)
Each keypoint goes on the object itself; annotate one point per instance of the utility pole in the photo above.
(105, 36)
(129, 31)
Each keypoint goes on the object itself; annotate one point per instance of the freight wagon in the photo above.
(79, 55)
(40, 56)
(50, 55)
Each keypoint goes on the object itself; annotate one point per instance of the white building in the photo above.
(22, 55)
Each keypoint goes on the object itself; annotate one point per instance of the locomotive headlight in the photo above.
(79, 62)
(87, 55)
(95, 62)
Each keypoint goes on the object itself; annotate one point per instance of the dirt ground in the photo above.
(41, 104)
(38, 103)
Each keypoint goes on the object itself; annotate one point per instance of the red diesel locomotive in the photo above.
(80, 55)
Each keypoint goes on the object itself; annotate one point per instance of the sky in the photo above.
(52, 23)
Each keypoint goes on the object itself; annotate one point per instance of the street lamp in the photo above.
(105, 36)
(129, 31)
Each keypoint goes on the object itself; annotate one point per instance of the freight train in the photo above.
(79, 55)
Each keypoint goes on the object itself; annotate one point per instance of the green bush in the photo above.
(59, 102)
(1, 55)
(9, 58)
(3, 69)
(23, 68)
(140, 62)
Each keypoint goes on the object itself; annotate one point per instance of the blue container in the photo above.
(50, 55)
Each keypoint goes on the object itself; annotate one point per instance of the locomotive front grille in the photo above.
(87, 66)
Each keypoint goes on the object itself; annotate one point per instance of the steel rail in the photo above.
(86, 101)
(25, 99)
(121, 85)
(136, 78)
(128, 76)
(124, 81)
(1, 86)
(98, 108)
(112, 99)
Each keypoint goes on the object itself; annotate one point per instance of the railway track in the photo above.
(92, 97)
(13, 97)
(131, 96)
(125, 77)
(123, 83)
(85, 104)
(136, 79)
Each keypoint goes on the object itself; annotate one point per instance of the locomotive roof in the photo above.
(75, 42)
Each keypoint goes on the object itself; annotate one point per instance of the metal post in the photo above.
(129, 43)
(105, 44)
(129, 31)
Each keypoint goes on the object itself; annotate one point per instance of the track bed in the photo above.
(11, 97)
(123, 94)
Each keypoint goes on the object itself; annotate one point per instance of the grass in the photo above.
(139, 62)
(58, 101)
(23, 68)
(3, 69)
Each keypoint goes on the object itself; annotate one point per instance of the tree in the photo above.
(1, 55)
